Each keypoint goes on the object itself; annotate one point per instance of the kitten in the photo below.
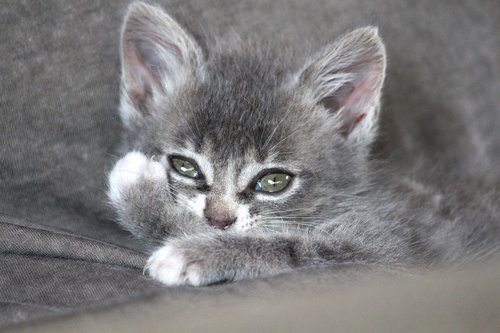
(242, 164)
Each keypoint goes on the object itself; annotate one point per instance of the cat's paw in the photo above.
(209, 258)
(171, 266)
(129, 170)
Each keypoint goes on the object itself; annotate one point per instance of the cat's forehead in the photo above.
(236, 161)
(244, 110)
(240, 110)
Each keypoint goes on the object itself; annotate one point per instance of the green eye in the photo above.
(185, 168)
(273, 182)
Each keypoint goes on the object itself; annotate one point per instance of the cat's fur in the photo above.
(237, 108)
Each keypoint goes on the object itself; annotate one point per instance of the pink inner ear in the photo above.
(354, 104)
(362, 94)
(138, 76)
(139, 96)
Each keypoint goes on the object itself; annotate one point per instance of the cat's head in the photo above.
(251, 141)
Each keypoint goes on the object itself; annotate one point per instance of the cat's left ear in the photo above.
(157, 56)
(346, 77)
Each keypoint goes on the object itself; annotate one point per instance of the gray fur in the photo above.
(243, 101)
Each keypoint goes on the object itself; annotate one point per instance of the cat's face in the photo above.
(245, 151)
(246, 140)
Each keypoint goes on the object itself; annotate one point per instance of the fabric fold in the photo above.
(23, 240)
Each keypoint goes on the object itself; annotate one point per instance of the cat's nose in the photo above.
(220, 220)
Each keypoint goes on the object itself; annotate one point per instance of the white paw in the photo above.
(129, 170)
(169, 266)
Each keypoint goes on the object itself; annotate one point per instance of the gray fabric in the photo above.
(44, 272)
(456, 301)
(59, 125)
(48, 286)
(59, 130)
(15, 238)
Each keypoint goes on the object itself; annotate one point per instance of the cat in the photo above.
(242, 164)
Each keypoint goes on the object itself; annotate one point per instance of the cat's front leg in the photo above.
(143, 200)
(207, 259)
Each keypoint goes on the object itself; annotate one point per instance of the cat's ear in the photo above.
(157, 55)
(346, 77)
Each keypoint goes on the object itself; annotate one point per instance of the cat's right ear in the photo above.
(157, 56)
(346, 78)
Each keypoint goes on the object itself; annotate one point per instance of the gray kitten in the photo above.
(243, 164)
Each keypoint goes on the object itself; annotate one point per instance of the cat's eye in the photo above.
(273, 182)
(185, 168)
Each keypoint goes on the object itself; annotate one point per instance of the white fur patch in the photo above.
(248, 173)
(229, 186)
(182, 179)
(129, 170)
(243, 220)
(169, 266)
(195, 204)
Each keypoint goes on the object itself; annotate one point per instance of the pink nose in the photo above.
(219, 220)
